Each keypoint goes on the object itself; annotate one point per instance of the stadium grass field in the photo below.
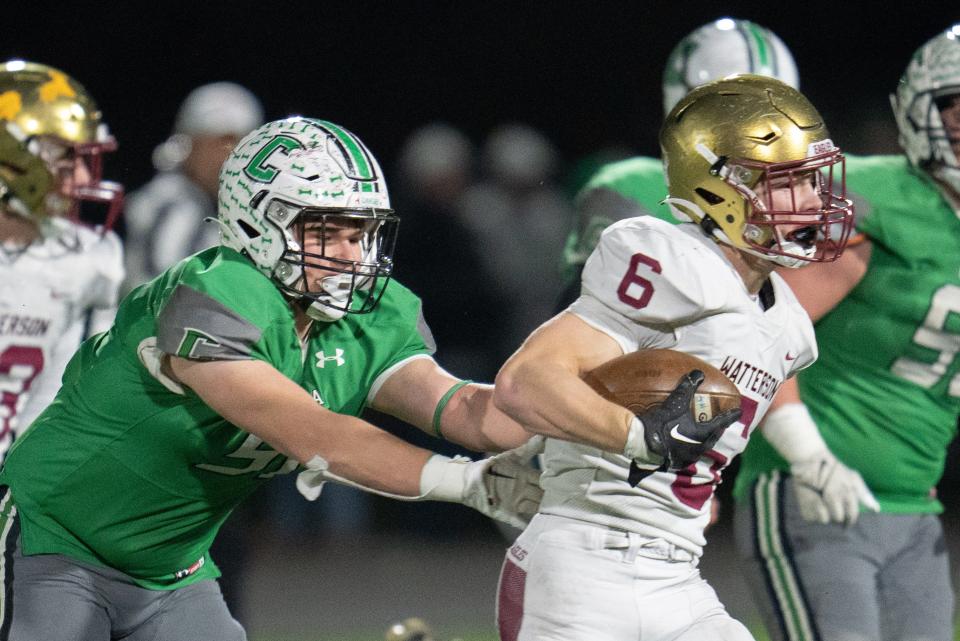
(465, 636)
(352, 588)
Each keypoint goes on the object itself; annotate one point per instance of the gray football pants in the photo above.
(55, 598)
(886, 578)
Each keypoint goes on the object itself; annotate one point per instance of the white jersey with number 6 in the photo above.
(51, 294)
(651, 284)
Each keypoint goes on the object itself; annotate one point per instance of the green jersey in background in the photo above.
(885, 391)
(622, 189)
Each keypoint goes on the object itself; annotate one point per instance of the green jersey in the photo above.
(622, 189)
(885, 391)
(128, 469)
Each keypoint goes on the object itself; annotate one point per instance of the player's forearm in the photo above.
(350, 446)
(258, 399)
(472, 420)
(554, 402)
(376, 459)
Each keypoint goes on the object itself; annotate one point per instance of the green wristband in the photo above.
(443, 403)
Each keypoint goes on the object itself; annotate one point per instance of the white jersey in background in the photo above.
(651, 284)
(53, 294)
(166, 221)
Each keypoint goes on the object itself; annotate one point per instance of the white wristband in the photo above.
(443, 478)
(636, 447)
(792, 432)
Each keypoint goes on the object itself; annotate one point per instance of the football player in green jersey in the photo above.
(242, 362)
(885, 396)
(635, 186)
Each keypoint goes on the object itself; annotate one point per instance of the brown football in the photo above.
(639, 380)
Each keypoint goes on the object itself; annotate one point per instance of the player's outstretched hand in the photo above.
(671, 430)
(829, 491)
(506, 486)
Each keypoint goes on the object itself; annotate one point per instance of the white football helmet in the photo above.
(723, 47)
(933, 74)
(296, 171)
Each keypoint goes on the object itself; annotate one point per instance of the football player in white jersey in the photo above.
(752, 171)
(58, 278)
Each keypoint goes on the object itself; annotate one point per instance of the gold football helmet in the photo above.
(49, 124)
(729, 144)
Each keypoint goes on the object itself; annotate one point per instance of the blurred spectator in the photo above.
(165, 217)
(165, 221)
(518, 218)
(437, 257)
(436, 165)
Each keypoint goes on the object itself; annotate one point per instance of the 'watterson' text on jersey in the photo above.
(750, 377)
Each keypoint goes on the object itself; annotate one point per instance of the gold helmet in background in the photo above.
(49, 124)
(726, 139)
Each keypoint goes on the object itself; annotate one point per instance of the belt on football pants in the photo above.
(638, 545)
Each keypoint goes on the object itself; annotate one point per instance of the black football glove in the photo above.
(671, 429)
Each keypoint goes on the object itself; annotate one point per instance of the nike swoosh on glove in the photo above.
(506, 486)
(669, 434)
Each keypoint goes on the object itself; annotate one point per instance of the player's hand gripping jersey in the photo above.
(652, 284)
(129, 469)
(46, 294)
(886, 390)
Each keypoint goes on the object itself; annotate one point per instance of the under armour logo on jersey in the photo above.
(322, 359)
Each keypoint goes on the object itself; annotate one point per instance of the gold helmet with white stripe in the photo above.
(730, 143)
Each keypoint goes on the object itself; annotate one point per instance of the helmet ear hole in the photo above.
(248, 229)
(256, 200)
(709, 196)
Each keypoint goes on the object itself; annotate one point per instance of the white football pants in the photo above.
(566, 580)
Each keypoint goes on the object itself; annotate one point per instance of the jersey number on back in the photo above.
(934, 336)
(19, 366)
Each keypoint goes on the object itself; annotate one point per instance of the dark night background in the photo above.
(587, 74)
